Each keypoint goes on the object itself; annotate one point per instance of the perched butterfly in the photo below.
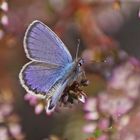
(51, 68)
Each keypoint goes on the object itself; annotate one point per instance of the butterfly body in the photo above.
(51, 68)
(70, 73)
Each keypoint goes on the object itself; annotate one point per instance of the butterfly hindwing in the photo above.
(39, 77)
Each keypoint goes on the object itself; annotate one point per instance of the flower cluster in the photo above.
(109, 111)
(3, 17)
(71, 95)
(10, 128)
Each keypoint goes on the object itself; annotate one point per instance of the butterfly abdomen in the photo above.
(54, 88)
(55, 93)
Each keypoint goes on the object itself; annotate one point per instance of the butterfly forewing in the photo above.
(42, 44)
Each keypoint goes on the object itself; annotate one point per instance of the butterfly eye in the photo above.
(81, 61)
(79, 64)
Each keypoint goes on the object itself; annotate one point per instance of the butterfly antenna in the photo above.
(77, 49)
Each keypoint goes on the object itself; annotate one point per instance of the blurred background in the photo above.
(109, 31)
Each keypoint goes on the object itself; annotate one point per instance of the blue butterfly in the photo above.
(51, 68)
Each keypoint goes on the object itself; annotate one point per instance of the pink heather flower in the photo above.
(33, 101)
(4, 6)
(3, 133)
(134, 61)
(89, 128)
(133, 85)
(27, 97)
(122, 106)
(115, 105)
(39, 108)
(103, 124)
(92, 115)
(15, 129)
(6, 109)
(123, 121)
(139, 13)
(129, 136)
(90, 104)
(130, 127)
(31, 98)
(4, 20)
(103, 137)
(120, 76)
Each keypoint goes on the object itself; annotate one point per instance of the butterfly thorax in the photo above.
(71, 70)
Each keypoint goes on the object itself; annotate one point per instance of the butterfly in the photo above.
(51, 68)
